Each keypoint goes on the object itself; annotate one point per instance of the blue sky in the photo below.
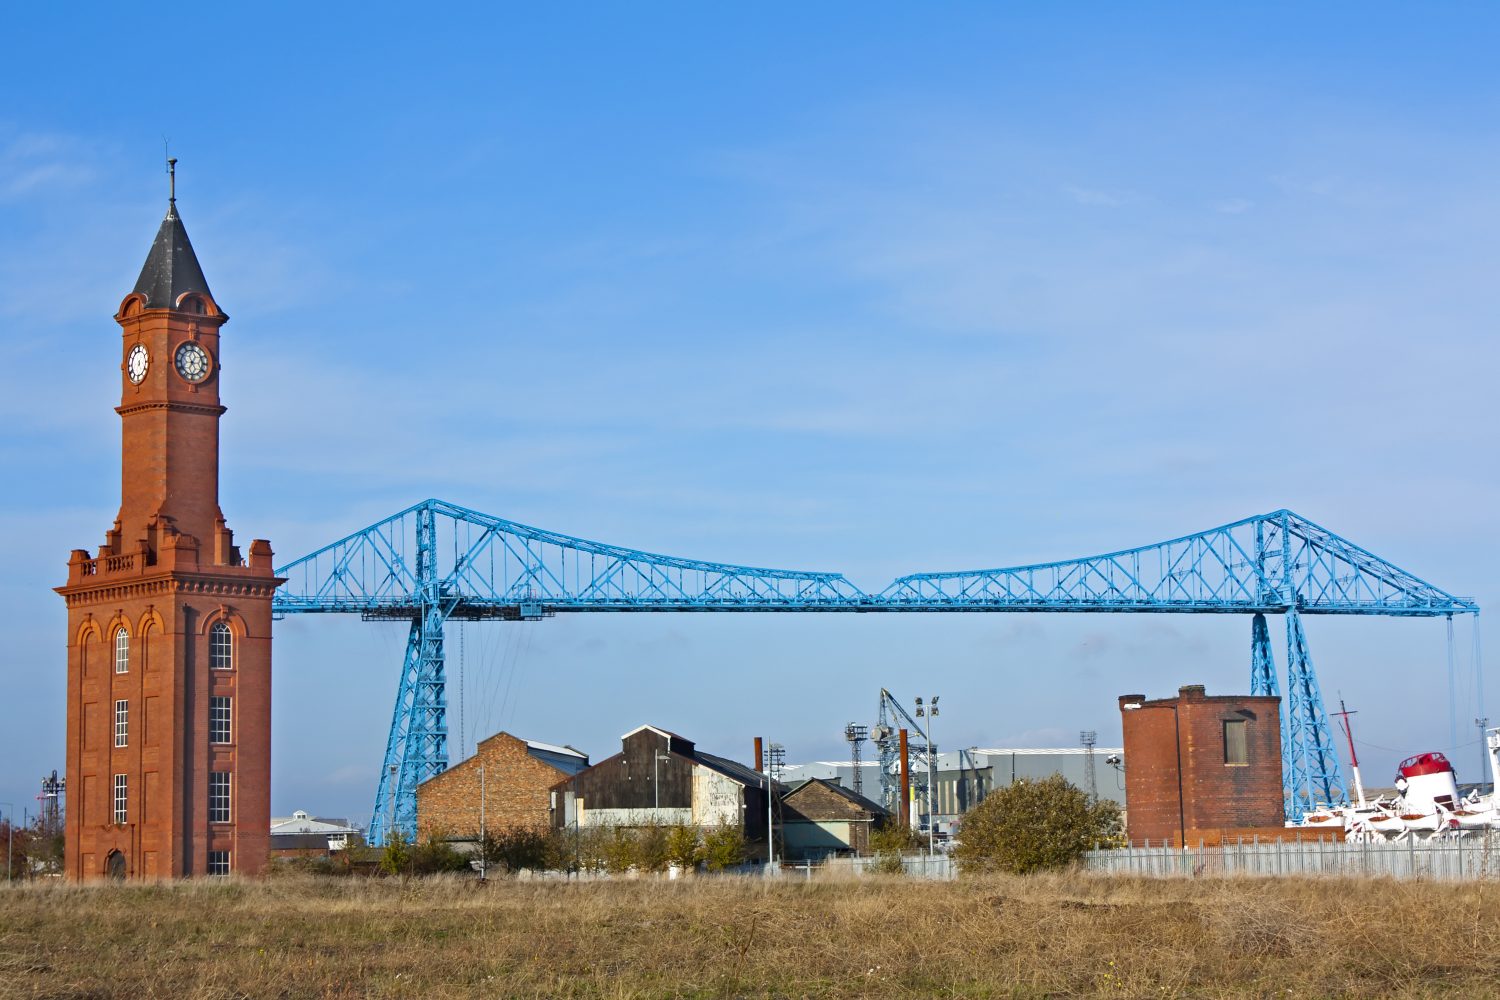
(866, 288)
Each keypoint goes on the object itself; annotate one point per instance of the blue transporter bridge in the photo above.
(437, 561)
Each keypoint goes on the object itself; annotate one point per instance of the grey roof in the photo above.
(300, 822)
(732, 769)
(868, 805)
(568, 760)
(171, 267)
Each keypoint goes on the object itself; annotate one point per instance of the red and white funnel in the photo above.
(1426, 781)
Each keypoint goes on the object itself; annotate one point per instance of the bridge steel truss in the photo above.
(437, 561)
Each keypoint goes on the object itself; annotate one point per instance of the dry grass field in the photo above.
(1053, 936)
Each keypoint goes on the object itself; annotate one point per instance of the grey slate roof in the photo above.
(858, 801)
(171, 267)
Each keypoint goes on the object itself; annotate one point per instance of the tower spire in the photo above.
(171, 268)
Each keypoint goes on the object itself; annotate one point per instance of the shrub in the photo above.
(723, 847)
(434, 856)
(1033, 826)
(651, 848)
(515, 848)
(592, 845)
(683, 849)
(561, 849)
(396, 858)
(888, 843)
(621, 852)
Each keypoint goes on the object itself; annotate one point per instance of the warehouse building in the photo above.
(661, 778)
(302, 835)
(964, 777)
(506, 783)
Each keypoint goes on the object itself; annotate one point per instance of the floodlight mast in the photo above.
(932, 711)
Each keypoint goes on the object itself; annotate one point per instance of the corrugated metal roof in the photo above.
(300, 823)
(565, 751)
(732, 769)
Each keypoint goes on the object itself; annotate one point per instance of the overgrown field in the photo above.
(1043, 936)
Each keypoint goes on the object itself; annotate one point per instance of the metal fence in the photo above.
(936, 866)
(1446, 859)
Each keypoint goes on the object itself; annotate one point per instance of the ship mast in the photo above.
(1359, 786)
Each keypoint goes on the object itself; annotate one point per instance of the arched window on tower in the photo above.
(122, 651)
(220, 646)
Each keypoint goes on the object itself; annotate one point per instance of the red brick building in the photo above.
(514, 789)
(1197, 765)
(169, 626)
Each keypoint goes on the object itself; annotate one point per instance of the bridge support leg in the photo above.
(1262, 683)
(417, 747)
(393, 775)
(1262, 663)
(1311, 775)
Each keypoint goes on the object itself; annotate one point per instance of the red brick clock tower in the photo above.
(169, 626)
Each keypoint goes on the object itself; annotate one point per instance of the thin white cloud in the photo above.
(1098, 197)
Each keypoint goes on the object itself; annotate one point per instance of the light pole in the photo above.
(775, 758)
(661, 755)
(932, 711)
(484, 847)
(1484, 751)
(10, 837)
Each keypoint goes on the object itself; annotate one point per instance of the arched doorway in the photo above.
(114, 866)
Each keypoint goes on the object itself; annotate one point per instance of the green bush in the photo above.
(621, 851)
(516, 848)
(396, 858)
(888, 843)
(683, 849)
(651, 848)
(1034, 826)
(723, 847)
(434, 856)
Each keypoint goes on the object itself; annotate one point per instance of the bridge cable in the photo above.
(1452, 688)
(462, 743)
(496, 676)
(1478, 670)
(523, 649)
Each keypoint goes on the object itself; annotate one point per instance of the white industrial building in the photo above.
(964, 777)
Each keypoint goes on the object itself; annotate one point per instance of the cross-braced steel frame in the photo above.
(435, 561)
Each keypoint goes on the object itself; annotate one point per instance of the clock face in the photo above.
(193, 362)
(137, 363)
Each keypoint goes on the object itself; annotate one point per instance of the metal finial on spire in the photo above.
(172, 180)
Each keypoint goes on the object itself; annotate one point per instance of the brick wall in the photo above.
(167, 572)
(1215, 795)
(516, 791)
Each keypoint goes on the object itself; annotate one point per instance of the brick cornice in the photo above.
(209, 409)
(103, 589)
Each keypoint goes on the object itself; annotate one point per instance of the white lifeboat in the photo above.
(1473, 819)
